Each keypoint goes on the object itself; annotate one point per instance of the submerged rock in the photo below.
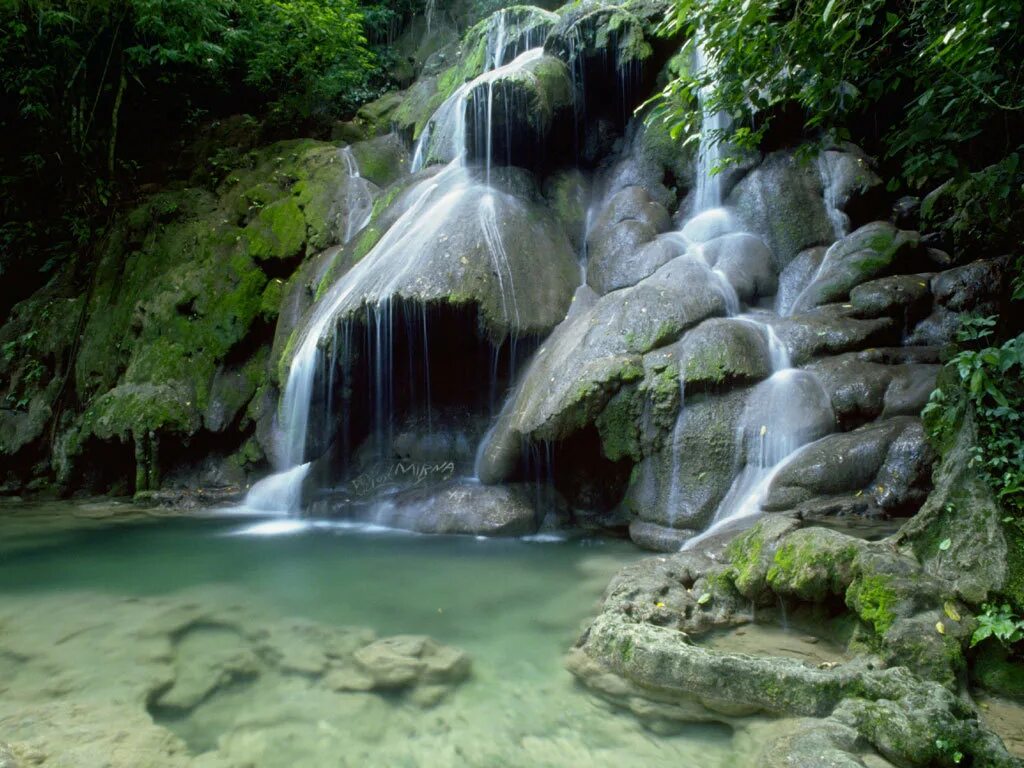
(461, 508)
(404, 661)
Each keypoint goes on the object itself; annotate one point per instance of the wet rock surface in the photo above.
(892, 697)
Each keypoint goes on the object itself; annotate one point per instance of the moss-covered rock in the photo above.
(596, 349)
(495, 41)
(813, 563)
(872, 251)
(187, 286)
(995, 671)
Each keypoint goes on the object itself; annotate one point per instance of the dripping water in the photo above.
(370, 285)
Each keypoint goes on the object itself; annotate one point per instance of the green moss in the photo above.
(138, 409)
(744, 554)
(626, 649)
(874, 600)
(1014, 587)
(286, 357)
(994, 671)
(618, 426)
(278, 232)
(248, 456)
(806, 567)
(382, 161)
(707, 364)
(367, 240)
(270, 301)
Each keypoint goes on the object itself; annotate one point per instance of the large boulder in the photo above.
(832, 330)
(875, 250)
(886, 466)
(605, 43)
(462, 243)
(862, 389)
(984, 556)
(905, 297)
(518, 114)
(796, 276)
(458, 508)
(781, 201)
(745, 262)
(854, 193)
(620, 251)
(682, 485)
(718, 352)
(595, 351)
(650, 158)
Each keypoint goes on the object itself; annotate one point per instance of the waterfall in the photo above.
(784, 412)
(358, 198)
(379, 274)
(429, 11)
(714, 123)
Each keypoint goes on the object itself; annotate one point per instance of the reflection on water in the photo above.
(234, 642)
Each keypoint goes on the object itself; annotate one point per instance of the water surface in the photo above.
(98, 622)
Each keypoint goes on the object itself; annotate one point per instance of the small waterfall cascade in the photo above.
(364, 294)
(714, 123)
(444, 134)
(784, 412)
(430, 9)
(829, 183)
(358, 198)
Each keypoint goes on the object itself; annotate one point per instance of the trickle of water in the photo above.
(713, 127)
(358, 198)
(840, 221)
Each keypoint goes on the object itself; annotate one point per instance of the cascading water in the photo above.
(714, 123)
(785, 411)
(367, 289)
(358, 198)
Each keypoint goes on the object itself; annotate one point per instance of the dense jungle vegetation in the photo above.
(99, 96)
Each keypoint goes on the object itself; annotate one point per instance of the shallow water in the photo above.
(102, 627)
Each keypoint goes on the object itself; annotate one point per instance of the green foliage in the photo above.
(1000, 622)
(990, 381)
(980, 211)
(931, 75)
(311, 54)
(93, 90)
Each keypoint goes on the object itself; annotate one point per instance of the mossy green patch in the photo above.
(278, 231)
(809, 568)
(618, 425)
(874, 600)
(270, 301)
(744, 554)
